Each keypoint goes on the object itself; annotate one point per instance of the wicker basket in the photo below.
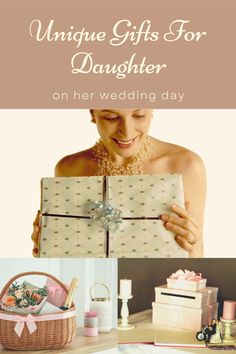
(50, 333)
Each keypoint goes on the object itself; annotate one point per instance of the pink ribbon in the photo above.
(186, 275)
(21, 321)
(30, 320)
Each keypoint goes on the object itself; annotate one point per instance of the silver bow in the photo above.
(109, 217)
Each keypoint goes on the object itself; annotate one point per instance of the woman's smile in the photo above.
(124, 143)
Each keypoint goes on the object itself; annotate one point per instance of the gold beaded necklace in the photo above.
(106, 167)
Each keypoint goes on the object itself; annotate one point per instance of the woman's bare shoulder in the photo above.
(176, 158)
(81, 163)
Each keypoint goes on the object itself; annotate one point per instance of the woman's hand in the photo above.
(188, 234)
(35, 235)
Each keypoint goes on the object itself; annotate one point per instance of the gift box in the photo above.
(212, 312)
(56, 294)
(181, 297)
(181, 317)
(211, 294)
(117, 216)
(186, 280)
(186, 284)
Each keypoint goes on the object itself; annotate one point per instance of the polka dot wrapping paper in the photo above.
(69, 228)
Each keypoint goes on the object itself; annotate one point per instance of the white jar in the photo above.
(103, 307)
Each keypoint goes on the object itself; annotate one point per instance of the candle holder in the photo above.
(124, 322)
(228, 338)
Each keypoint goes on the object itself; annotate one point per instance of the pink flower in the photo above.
(37, 297)
(90, 314)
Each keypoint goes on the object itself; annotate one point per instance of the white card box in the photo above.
(183, 317)
(197, 299)
(178, 316)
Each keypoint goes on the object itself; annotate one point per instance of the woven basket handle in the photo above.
(6, 287)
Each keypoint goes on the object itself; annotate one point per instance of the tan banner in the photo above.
(81, 54)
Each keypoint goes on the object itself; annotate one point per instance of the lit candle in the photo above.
(125, 287)
(229, 310)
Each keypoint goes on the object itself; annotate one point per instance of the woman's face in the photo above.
(123, 130)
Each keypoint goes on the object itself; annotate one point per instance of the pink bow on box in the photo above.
(186, 275)
(21, 321)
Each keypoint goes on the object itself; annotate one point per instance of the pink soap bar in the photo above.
(90, 331)
(229, 310)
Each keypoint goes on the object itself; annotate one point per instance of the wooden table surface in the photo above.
(81, 344)
(145, 332)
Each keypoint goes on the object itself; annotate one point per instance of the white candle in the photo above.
(125, 287)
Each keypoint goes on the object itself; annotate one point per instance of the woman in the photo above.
(125, 149)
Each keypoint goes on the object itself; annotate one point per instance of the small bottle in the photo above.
(90, 324)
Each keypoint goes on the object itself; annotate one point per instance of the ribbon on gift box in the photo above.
(30, 320)
(186, 275)
(109, 217)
